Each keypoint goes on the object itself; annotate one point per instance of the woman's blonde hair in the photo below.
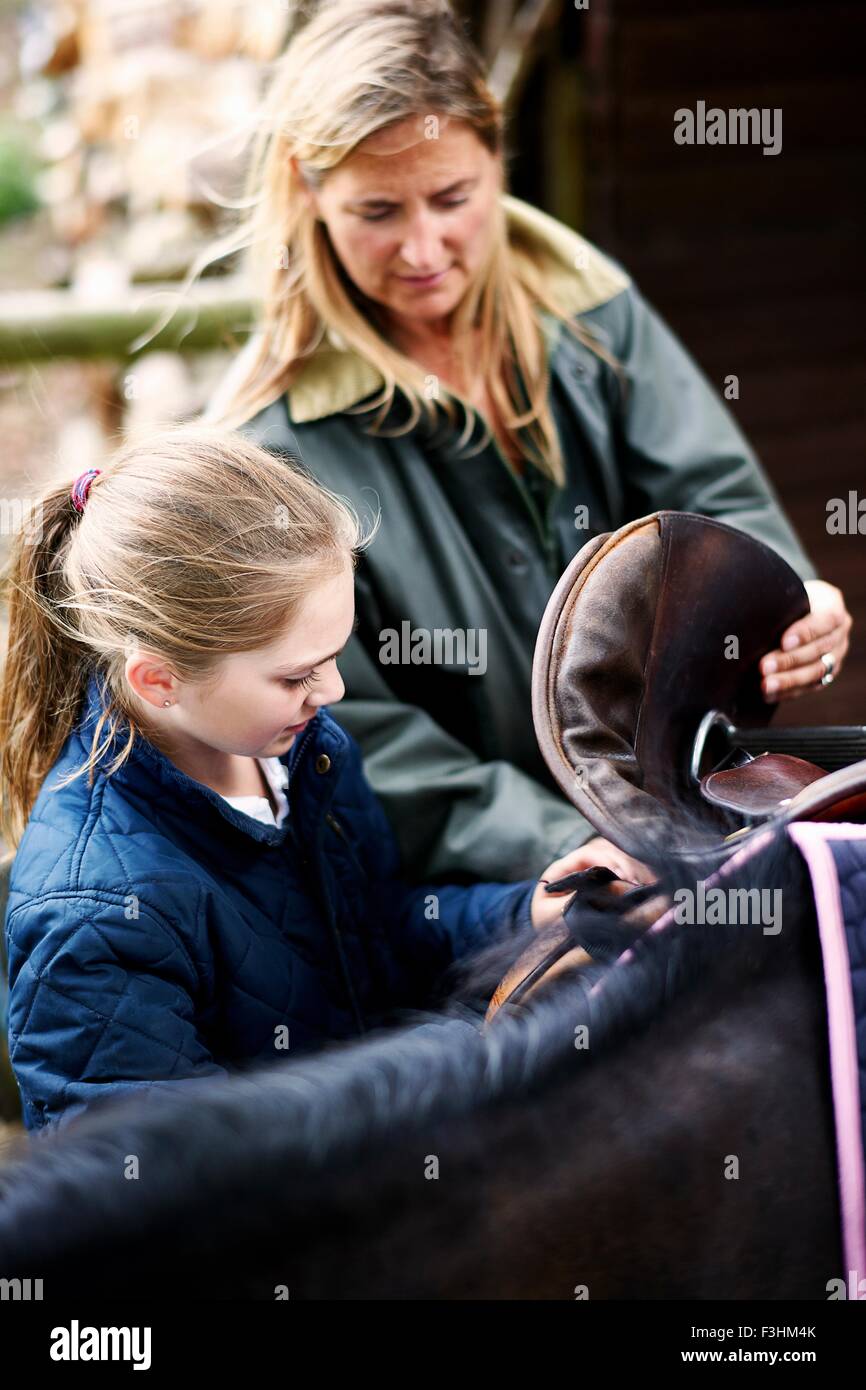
(354, 68)
(193, 543)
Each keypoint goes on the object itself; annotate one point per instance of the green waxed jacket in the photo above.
(466, 544)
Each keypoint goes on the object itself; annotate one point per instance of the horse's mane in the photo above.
(291, 1123)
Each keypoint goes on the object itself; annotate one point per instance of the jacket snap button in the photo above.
(323, 762)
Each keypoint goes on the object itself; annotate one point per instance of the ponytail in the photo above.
(46, 670)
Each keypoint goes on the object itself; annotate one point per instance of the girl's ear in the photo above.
(150, 678)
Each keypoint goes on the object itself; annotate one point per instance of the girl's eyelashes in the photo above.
(293, 682)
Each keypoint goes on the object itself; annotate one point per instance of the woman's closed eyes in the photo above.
(386, 212)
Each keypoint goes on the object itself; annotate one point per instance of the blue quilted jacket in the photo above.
(156, 934)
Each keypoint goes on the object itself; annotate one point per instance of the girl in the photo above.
(221, 885)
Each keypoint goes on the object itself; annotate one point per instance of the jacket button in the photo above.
(323, 762)
(517, 559)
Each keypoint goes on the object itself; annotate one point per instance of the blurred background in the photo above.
(123, 130)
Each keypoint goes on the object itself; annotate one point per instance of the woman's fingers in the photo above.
(796, 665)
(807, 653)
(790, 673)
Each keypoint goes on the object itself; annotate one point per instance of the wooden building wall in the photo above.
(756, 261)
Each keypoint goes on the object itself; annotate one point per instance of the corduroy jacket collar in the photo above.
(578, 275)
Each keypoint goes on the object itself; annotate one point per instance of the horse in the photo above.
(654, 1123)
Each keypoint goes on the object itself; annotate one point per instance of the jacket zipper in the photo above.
(548, 521)
(307, 735)
(337, 937)
(336, 934)
(542, 522)
(338, 830)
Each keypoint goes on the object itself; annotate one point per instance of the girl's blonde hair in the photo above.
(193, 543)
(354, 68)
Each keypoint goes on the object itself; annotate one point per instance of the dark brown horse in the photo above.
(658, 1129)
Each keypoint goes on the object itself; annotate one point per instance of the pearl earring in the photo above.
(166, 702)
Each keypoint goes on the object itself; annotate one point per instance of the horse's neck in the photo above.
(674, 1166)
(685, 1156)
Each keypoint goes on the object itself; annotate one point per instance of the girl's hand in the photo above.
(796, 666)
(546, 907)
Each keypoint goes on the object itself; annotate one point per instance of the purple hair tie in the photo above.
(81, 487)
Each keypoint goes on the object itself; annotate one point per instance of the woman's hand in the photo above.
(796, 666)
(546, 907)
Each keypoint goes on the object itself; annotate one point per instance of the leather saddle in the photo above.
(646, 693)
(647, 703)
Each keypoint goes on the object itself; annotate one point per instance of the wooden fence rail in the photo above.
(36, 326)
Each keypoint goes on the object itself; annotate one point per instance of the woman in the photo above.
(409, 302)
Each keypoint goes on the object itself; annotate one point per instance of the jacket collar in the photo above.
(146, 764)
(580, 277)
